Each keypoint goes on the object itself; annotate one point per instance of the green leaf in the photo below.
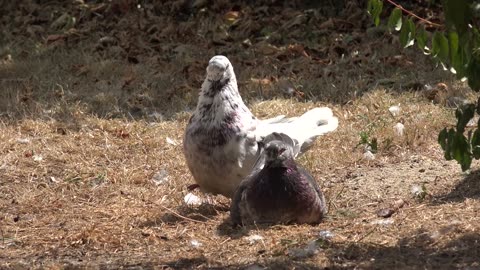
(374, 8)
(395, 20)
(442, 138)
(476, 144)
(456, 145)
(440, 46)
(445, 139)
(449, 144)
(473, 74)
(363, 137)
(459, 62)
(407, 34)
(476, 152)
(453, 42)
(421, 38)
(457, 14)
(478, 111)
(412, 27)
(464, 114)
(474, 39)
(461, 151)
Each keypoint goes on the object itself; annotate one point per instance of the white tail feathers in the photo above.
(312, 124)
(319, 120)
(303, 129)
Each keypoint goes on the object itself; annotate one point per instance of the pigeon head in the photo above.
(219, 69)
(276, 152)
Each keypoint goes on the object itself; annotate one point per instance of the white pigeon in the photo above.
(221, 142)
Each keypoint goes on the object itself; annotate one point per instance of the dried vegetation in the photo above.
(92, 118)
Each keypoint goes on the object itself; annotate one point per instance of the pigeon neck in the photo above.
(211, 88)
(287, 164)
(219, 100)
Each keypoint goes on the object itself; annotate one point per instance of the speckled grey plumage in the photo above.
(221, 139)
(280, 192)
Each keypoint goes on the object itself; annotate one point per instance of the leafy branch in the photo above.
(414, 15)
(456, 46)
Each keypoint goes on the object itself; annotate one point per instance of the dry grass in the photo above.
(91, 201)
(80, 144)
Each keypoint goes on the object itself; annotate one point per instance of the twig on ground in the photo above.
(180, 216)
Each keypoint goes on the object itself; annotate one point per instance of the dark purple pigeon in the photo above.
(280, 192)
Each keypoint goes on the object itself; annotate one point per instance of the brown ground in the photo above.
(87, 125)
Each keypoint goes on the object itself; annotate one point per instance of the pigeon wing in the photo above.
(314, 185)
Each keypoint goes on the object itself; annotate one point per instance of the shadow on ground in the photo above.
(422, 249)
(142, 75)
(416, 252)
(468, 187)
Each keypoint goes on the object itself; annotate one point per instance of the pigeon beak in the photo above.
(279, 153)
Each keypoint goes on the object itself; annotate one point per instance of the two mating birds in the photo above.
(231, 152)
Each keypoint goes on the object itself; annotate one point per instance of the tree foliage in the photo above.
(456, 46)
